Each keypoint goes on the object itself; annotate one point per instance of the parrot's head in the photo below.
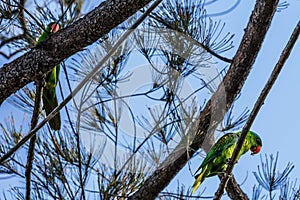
(255, 142)
(53, 27)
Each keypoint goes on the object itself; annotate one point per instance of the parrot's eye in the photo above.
(258, 141)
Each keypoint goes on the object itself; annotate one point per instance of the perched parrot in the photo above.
(49, 92)
(219, 155)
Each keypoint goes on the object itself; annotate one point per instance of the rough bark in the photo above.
(66, 42)
(229, 88)
(234, 191)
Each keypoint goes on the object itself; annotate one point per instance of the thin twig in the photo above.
(23, 22)
(21, 16)
(62, 95)
(60, 154)
(30, 15)
(206, 48)
(260, 101)
(8, 56)
(34, 121)
(78, 146)
(12, 39)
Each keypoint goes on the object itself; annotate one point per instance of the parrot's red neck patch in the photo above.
(255, 150)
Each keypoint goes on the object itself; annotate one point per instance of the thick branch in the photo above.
(64, 43)
(229, 88)
(260, 101)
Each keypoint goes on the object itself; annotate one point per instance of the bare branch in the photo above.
(234, 190)
(213, 53)
(260, 101)
(229, 88)
(22, 20)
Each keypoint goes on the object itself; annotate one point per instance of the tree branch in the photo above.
(34, 121)
(22, 20)
(229, 88)
(260, 101)
(234, 190)
(66, 42)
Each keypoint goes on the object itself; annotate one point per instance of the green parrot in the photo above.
(49, 92)
(219, 155)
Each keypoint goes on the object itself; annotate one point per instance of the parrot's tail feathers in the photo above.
(198, 181)
(55, 122)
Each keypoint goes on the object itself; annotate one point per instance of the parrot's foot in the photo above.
(228, 160)
(223, 173)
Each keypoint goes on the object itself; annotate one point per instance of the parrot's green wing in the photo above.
(222, 144)
(50, 99)
(41, 38)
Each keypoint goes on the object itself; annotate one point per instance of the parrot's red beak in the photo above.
(255, 150)
(54, 27)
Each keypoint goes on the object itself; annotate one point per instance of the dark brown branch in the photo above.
(21, 16)
(34, 121)
(229, 88)
(66, 42)
(25, 35)
(81, 182)
(234, 190)
(260, 101)
(23, 22)
(214, 53)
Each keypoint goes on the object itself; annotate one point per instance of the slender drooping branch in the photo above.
(42, 58)
(260, 101)
(229, 88)
(34, 121)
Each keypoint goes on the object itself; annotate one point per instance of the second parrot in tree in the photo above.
(217, 158)
(51, 80)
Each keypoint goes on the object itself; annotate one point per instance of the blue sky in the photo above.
(278, 119)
